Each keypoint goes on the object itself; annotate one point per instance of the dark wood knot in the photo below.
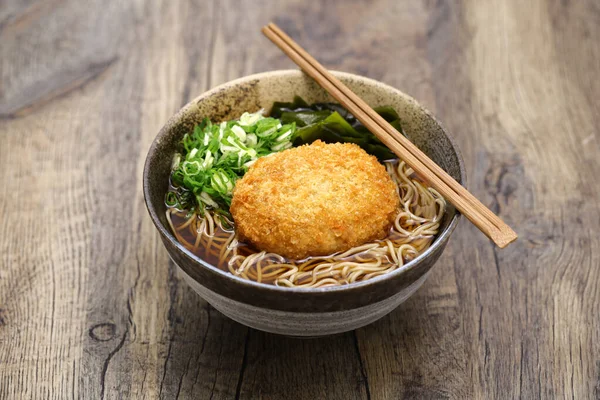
(103, 332)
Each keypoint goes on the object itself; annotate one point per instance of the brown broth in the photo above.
(220, 248)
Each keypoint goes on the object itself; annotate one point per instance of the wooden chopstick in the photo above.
(386, 126)
(490, 224)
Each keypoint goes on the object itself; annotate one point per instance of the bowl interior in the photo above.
(254, 92)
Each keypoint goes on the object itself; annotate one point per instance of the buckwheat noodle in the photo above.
(422, 208)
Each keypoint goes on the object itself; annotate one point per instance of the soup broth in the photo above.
(212, 238)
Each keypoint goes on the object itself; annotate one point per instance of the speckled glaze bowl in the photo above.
(289, 311)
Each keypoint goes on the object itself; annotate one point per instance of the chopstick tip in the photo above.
(503, 239)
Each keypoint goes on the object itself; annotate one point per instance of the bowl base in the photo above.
(301, 324)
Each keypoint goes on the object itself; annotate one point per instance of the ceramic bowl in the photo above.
(294, 311)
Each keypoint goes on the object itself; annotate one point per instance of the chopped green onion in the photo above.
(251, 140)
(284, 136)
(281, 146)
(215, 156)
(171, 199)
(176, 160)
(205, 197)
(250, 119)
(191, 167)
(239, 132)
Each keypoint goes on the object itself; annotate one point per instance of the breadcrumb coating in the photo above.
(314, 200)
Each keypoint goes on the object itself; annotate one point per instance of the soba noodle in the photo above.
(212, 237)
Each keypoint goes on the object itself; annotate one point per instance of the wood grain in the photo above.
(90, 306)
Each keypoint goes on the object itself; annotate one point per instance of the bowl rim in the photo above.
(439, 241)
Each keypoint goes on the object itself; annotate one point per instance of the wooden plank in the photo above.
(281, 367)
(420, 350)
(519, 312)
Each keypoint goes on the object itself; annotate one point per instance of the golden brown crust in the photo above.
(314, 200)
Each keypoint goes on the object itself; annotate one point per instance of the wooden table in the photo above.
(91, 307)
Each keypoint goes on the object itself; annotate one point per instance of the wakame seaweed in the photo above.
(332, 123)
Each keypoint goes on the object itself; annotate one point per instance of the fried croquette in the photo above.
(314, 200)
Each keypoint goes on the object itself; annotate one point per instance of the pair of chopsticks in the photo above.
(484, 219)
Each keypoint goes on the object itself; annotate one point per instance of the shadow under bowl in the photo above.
(297, 311)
